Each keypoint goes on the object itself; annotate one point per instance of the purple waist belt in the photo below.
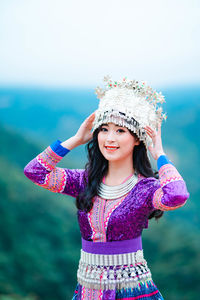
(116, 247)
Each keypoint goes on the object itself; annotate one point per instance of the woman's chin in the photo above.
(111, 156)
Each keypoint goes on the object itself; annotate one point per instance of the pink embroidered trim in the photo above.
(99, 215)
(55, 181)
(95, 220)
(83, 293)
(167, 174)
(48, 159)
(157, 201)
(141, 296)
(91, 294)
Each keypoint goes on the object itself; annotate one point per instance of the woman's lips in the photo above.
(111, 148)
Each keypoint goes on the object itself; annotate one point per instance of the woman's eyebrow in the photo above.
(115, 125)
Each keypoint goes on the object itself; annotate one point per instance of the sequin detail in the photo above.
(55, 181)
(48, 158)
(167, 174)
(99, 216)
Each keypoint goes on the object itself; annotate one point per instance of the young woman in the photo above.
(117, 192)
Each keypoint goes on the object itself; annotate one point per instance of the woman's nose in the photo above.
(110, 136)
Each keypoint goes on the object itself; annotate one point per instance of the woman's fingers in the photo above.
(84, 132)
(89, 121)
(152, 133)
(91, 118)
(159, 128)
(155, 148)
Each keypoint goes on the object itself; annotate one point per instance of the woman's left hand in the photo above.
(156, 149)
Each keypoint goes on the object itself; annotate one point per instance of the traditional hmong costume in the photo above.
(112, 265)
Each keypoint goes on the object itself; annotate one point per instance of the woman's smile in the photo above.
(111, 148)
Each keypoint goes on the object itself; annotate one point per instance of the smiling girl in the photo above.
(117, 192)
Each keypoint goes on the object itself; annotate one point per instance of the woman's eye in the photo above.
(104, 129)
(121, 130)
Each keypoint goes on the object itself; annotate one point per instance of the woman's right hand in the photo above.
(84, 133)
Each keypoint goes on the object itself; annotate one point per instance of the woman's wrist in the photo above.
(71, 143)
(160, 154)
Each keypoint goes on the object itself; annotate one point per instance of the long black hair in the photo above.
(97, 167)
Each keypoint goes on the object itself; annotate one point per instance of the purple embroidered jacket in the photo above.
(125, 220)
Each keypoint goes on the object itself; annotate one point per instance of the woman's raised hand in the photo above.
(156, 149)
(84, 133)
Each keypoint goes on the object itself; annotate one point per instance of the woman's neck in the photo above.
(118, 171)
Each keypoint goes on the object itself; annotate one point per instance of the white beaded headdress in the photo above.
(130, 104)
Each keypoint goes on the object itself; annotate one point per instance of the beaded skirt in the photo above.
(144, 291)
(105, 274)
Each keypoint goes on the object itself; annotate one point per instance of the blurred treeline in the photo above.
(39, 235)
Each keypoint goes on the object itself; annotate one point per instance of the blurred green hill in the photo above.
(39, 235)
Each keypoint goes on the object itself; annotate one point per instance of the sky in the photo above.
(75, 43)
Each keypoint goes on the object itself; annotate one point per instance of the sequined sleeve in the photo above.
(42, 171)
(172, 191)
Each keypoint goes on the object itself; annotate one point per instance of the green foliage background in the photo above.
(39, 234)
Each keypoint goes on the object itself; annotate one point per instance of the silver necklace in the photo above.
(113, 192)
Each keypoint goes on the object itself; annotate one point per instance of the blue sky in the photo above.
(76, 43)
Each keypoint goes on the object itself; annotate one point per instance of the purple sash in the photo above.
(116, 247)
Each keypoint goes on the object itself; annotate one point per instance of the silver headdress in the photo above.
(130, 104)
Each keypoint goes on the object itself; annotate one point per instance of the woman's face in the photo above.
(116, 142)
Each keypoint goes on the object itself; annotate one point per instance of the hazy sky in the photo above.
(62, 42)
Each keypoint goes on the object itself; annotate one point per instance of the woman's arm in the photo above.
(171, 192)
(42, 170)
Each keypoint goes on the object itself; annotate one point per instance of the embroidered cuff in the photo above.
(58, 149)
(163, 160)
(167, 174)
(52, 155)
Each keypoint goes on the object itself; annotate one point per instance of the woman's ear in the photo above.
(137, 141)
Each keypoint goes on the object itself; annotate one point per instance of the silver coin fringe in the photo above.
(108, 272)
(121, 120)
